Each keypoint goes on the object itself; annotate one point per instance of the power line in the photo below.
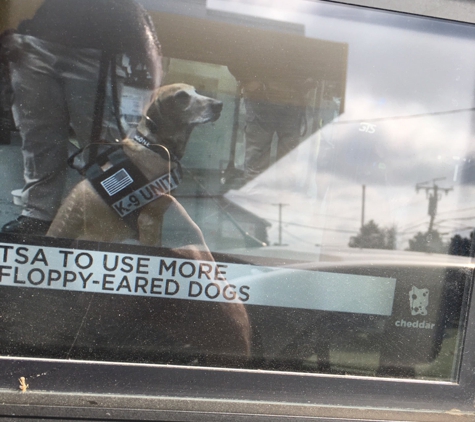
(457, 219)
(413, 226)
(457, 210)
(408, 116)
(408, 229)
(254, 202)
(300, 239)
(313, 227)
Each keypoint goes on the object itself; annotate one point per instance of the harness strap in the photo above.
(100, 158)
(163, 152)
(159, 149)
(99, 105)
(115, 98)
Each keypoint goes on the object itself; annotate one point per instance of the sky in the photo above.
(412, 79)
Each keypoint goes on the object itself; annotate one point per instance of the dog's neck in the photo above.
(167, 133)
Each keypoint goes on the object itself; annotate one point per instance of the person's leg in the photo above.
(82, 66)
(288, 123)
(258, 141)
(41, 115)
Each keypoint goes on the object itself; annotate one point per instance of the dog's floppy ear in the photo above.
(180, 99)
(174, 104)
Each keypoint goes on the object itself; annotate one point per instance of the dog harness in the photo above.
(135, 193)
(122, 185)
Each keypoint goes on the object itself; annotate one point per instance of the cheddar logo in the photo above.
(418, 301)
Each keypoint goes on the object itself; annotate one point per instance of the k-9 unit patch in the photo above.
(147, 193)
(124, 187)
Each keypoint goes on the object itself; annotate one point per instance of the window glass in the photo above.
(232, 184)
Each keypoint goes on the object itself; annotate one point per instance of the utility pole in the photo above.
(280, 205)
(433, 195)
(363, 200)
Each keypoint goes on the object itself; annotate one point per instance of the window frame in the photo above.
(75, 389)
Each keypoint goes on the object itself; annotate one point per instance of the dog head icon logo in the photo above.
(418, 300)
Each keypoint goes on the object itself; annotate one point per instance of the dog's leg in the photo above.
(221, 331)
(193, 243)
(150, 221)
(150, 224)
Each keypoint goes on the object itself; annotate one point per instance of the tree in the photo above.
(430, 241)
(371, 236)
(460, 245)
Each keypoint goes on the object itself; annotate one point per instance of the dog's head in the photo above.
(178, 108)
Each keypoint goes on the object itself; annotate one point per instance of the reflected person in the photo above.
(54, 64)
(272, 107)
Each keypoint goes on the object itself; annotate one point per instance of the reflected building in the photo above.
(298, 81)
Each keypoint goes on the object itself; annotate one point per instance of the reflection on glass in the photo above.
(322, 219)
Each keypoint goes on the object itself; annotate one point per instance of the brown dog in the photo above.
(169, 123)
(137, 326)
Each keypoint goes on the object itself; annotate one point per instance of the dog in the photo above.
(109, 326)
(170, 119)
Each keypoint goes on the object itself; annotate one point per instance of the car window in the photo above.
(283, 189)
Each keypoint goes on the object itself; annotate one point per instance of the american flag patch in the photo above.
(117, 182)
